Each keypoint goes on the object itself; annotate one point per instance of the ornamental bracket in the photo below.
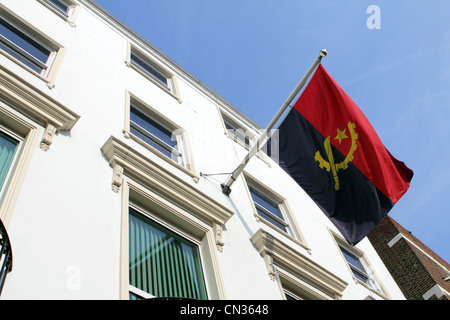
(47, 139)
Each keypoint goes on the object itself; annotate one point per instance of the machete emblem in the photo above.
(330, 165)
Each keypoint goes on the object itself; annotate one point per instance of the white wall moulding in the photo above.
(276, 253)
(35, 104)
(144, 146)
(168, 185)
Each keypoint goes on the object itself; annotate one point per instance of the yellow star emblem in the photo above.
(341, 135)
(330, 164)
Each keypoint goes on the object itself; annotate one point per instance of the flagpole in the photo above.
(226, 187)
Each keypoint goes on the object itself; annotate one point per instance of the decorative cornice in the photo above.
(294, 262)
(34, 103)
(151, 175)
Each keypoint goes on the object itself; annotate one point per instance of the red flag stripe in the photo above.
(328, 108)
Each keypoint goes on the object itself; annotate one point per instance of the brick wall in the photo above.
(414, 271)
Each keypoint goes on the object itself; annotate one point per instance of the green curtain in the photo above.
(161, 262)
(8, 147)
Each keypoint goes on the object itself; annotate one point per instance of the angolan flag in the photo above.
(330, 149)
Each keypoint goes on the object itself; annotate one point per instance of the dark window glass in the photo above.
(155, 134)
(149, 69)
(268, 208)
(23, 46)
(60, 5)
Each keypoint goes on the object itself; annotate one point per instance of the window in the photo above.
(152, 71)
(245, 133)
(355, 265)
(161, 262)
(297, 275)
(273, 210)
(18, 137)
(358, 266)
(164, 138)
(24, 45)
(268, 208)
(299, 287)
(237, 133)
(149, 69)
(64, 7)
(166, 202)
(155, 133)
(290, 295)
(8, 151)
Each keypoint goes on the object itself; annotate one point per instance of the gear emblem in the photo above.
(330, 165)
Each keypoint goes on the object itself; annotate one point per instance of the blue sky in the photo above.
(254, 52)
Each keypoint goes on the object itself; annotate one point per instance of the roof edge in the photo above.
(121, 27)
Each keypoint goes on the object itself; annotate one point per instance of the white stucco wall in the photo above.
(66, 226)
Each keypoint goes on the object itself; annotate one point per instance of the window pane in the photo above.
(267, 217)
(360, 276)
(163, 263)
(61, 5)
(153, 127)
(151, 142)
(22, 46)
(357, 267)
(147, 68)
(8, 147)
(154, 134)
(265, 202)
(268, 209)
(354, 261)
(238, 133)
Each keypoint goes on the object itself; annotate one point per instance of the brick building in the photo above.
(419, 272)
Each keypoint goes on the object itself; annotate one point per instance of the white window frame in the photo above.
(373, 282)
(236, 131)
(175, 152)
(277, 205)
(171, 88)
(15, 160)
(28, 132)
(239, 126)
(293, 230)
(185, 162)
(299, 289)
(358, 271)
(33, 116)
(48, 73)
(69, 16)
(175, 230)
(296, 271)
(170, 215)
(140, 293)
(144, 182)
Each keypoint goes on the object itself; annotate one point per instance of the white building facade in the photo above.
(111, 161)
